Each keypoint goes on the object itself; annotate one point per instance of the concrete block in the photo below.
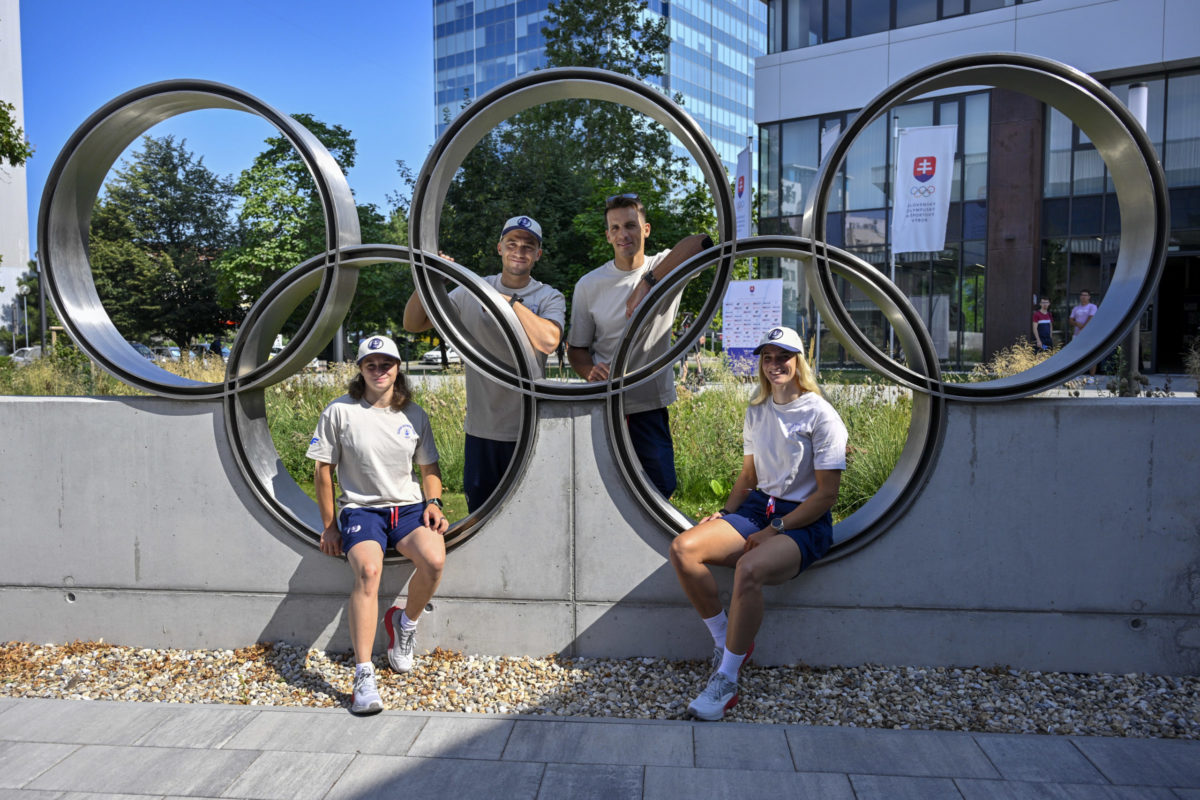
(890, 787)
(290, 776)
(462, 737)
(618, 743)
(591, 782)
(328, 732)
(197, 726)
(146, 770)
(670, 783)
(874, 752)
(98, 722)
(1144, 762)
(21, 762)
(1015, 790)
(742, 747)
(388, 777)
(1054, 760)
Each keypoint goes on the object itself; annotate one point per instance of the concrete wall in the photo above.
(1053, 534)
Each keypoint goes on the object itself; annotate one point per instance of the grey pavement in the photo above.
(73, 749)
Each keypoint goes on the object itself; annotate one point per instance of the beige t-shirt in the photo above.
(598, 323)
(373, 450)
(493, 411)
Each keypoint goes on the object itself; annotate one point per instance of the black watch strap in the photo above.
(648, 277)
(437, 501)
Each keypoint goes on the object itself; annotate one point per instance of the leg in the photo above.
(713, 542)
(366, 560)
(427, 550)
(769, 564)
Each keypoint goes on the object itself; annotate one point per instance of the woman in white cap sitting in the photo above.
(372, 435)
(776, 522)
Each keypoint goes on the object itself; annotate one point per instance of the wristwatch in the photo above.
(777, 524)
(514, 299)
(648, 277)
(437, 501)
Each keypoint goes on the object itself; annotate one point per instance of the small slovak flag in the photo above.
(924, 167)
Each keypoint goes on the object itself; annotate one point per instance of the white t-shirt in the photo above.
(494, 412)
(373, 450)
(598, 322)
(790, 441)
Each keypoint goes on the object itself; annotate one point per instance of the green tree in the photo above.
(14, 147)
(159, 225)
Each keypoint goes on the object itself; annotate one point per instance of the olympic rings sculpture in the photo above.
(77, 176)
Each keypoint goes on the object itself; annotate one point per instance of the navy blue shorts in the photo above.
(814, 540)
(386, 526)
(650, 432)
(484, 463)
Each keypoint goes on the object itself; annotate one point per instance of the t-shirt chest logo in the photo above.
(406, 432)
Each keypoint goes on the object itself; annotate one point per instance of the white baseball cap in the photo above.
(527, 224)
(377, 344)
(783, 338)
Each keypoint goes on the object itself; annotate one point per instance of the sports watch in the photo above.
(777, 524)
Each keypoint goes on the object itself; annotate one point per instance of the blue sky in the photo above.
(364, 64)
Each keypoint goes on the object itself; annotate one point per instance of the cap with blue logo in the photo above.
(527, 224)
(783, 338)
(377, 344)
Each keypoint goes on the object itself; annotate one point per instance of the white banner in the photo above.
(750, 308)
(741, 193)
(924, 177)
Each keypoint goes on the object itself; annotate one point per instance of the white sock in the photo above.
(730, 664)
(359, 669)
(407, 625)
(717, 626)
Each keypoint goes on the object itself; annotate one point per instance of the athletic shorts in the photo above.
(814, 540)
(387, 525)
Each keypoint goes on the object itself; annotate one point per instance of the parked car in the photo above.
(210, 350)
(434, 357)
(142, 350)
(166, 353)
(26, 355)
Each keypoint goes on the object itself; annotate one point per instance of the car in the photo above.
(434, 357)
(166, 353)
(142, 350)
(26, 355)
(209, 350)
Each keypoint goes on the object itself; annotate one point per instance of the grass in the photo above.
(706, 425)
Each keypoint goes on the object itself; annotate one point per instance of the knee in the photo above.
(748, 576)
(431, 564)
(367, 575)
(682, 550)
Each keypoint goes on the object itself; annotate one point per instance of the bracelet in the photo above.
(437, 501)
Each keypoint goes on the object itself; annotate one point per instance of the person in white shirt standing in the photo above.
(601, 305)
(777, 520)
(1081, 315)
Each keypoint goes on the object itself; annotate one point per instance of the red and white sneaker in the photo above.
(400, 642)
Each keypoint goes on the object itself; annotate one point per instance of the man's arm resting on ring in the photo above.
(543, 334)
(415, 318)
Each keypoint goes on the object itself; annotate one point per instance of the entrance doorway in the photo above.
(1177, 312)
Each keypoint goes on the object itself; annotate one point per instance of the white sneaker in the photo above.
(400, 642)
(366, 699)
(720, 695)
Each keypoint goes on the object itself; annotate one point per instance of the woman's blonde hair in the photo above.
(357, 388)
(804, 378)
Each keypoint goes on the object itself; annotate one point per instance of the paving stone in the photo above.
(21, 762)
(146, 770)
(462, 737)
(861, 751)
(742, 747)
(28, 794)
(1144, 762)
(972, 789)
(78, 721)
(600, 743)
(290, 776)
(671, 783)
(328, 732)
(196, 726)
(893, 787)
(389, 777)
(1041, 758)
(591, 782)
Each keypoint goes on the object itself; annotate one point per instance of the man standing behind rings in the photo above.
(493, 420)
(603, 301)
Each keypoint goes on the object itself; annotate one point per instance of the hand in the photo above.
(331, 540)
(435, 520)
(712, 516)
(635, 297)
(755, 539)
(447, 256)
(598, 373)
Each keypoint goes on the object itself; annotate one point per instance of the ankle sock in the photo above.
(717, 626)
(407, 625)
(730, 664)
(364, 667)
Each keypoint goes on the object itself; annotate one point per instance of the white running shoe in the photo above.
(720, 695)
(366, 699)
(400, 642)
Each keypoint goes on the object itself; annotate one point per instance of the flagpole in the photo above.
(891, 252)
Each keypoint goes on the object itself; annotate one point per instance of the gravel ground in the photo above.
(995, 700)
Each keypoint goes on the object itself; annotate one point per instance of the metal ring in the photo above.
(1141, 195)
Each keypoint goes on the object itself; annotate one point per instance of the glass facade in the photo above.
(804, 23)
(479, 44)
(1081, 223)
(946, 287)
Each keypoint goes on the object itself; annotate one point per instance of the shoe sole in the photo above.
(733, 701)
(390, 627)
(370, 710)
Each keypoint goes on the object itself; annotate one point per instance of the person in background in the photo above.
(1080, 316)
(1043, 325)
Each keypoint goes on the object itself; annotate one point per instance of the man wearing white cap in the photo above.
(493, 420)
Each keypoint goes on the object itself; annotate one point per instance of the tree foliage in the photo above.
(162, 220)
(14, 147)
